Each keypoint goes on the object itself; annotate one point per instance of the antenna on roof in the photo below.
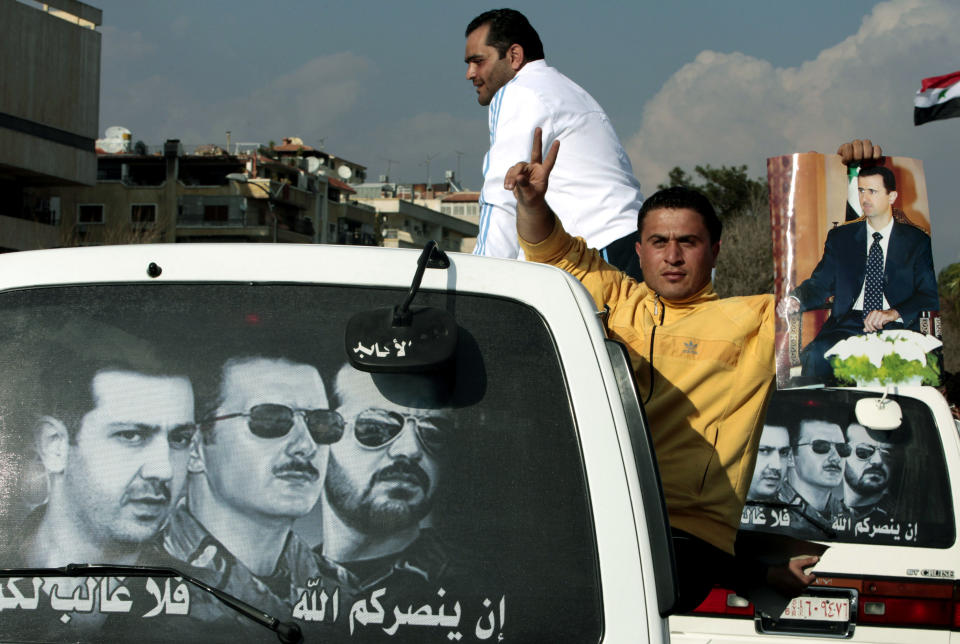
(389, 163)
(430, 157)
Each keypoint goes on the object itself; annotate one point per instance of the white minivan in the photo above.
(885, 501)
(251, 442)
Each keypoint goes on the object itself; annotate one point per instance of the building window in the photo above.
(216, 213)
(90, 213)
(143, 213)
(458, 210)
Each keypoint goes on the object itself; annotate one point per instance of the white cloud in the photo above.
(730, 108)
(151, 107)
(326, 99)
(121, 46)
(409, 141)
(306, 102)
(181, 26)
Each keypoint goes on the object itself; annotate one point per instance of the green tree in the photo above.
(948, 285)
(728, 188)
(745, 263)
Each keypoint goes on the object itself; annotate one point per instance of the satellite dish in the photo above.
(345, 172)
(313, 164)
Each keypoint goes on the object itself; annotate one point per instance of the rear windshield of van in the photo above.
(821, 475)
(219, 429)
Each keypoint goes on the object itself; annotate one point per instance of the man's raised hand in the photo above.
(859, 150)
(528, 181)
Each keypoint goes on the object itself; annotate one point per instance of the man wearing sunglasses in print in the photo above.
(381, 482)
(257, 465)
(875, 458)
(811, 489)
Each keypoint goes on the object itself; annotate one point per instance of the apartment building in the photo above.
(49, 108)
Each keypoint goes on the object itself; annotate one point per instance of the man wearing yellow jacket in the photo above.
(704, 365)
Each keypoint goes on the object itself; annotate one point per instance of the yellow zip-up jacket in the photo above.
(713, 373)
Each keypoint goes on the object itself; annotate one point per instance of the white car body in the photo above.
(887, 579)
(618, 499)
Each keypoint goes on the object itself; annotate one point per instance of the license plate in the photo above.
(821, 609)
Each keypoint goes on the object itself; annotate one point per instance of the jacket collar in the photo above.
(664, 311)
(703, 295)
(530, 66)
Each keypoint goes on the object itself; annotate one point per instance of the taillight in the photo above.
(721, 601)
(901, 612)
(956, 606)
(932, 604)
(881, 603)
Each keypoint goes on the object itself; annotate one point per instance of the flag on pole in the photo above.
(937, 98)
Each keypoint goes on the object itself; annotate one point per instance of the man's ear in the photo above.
(892, 195)
(195, 464)
(515, 57)
(53, 444)
(716, 252)
(636, 249)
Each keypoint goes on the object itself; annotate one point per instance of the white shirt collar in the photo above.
(533, 64)
(885, 231)
(884, 241)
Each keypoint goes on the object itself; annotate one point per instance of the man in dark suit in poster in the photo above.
(879, 272)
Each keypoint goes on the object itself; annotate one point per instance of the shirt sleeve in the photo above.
(924, 295)
(813, 292)
(514, 114)
(607, 285)
(767, 345)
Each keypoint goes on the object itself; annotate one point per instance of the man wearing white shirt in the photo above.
(880, 273)
(592, 187)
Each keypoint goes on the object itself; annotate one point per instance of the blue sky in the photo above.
(684, 82)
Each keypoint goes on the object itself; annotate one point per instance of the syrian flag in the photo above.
(938, 98)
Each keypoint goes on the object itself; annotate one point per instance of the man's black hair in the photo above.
(902, 435)
(678, 197)
(889, 180)
(508, 27)
(781, 415)
(209, 392)
(67, 392)
(821, 415)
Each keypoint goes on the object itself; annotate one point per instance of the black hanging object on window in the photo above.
(404, 338)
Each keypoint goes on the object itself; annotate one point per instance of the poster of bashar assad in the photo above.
(852, 256)
(219, 430)
(823, 476)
